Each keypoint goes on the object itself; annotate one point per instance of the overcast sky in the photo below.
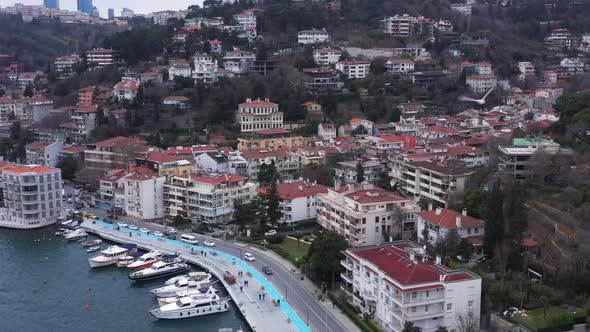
(139, 6)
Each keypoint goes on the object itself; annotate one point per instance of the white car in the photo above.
(209, 243)
(156, 233)
(122, 224)
(270, 233)
(249, 257)
(171, 230)
(132, 227)
(144, 230)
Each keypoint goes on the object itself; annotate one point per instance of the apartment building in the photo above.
(286, 164)
(346, 171)
(399, 65)
(215, 162)
(114, 153)
(526, 69)
(327, 132)
(326, 56)
(481, 83)
(307, 37)
(271, 139)
(573, 66)
(205, 67)
(398, 283)
(463, 8)
(558, 40)
(100, 57)
(298, 200)
(66, 62)
(164, 164)
(43, 153)
(309, 155)
(436, 181)
(239, 62)
(247, 18)
(32, 196)
(440, 222)
(354, 69)
(27, 109)
(399, 25)
(179, 68)
(126, 90)
(111, 187)
(365, 214)
(83, 122)
(515, 159)
(254, 115)
(144, 195)
(322, 79)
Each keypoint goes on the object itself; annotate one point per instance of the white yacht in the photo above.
(180, 285)
(160, 269)
(200, 293)
(195, 276)
(111, 255)
(187, 307)
(146, 260)
(76, 235)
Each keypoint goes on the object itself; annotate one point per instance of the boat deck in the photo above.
(261, 315)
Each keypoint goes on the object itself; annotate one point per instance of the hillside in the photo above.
(34, 45)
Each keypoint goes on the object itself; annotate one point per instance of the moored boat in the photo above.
(146, 260)
(195, 276)
(76, 235)
(180, 285)
(187, 307)
(93, 249)
(92, 243)
(125, 261)
(160, 269)
(194, 294)
(111, 254)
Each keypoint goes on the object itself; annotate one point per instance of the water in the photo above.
(47, 285)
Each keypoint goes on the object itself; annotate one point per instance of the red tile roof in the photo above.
(258, 103)
(273, 131)
(219, 179)
(447, 219)
(176, 98)
(254, 154)
(30, 169)
(127, 85)
(161, 157)
(376, 195)
(120, 140)
(297, 189)
(39, 145)
(73, 149)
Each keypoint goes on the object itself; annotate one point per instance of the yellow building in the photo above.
(271, 139)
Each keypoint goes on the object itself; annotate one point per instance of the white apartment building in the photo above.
(441, 221)
(255, 115)
(398, 283)
(354, 68)
(326, 56)
(161, 18)
(238, 61)
(144, 195)
(126, 90)
(32, 196)
(347, 170)
(205, 67)
(286, 163)
(585, 42)
(213, 162)
(399, 65)
(514, 160)
(246, 18)
(481, 83)
(365, 214)
(327, 132)
(83, 123)
(29, 109)
(100, 57)
(444, 25)
(573, 66)
(111, 187)
(436, 181)
(66, 62)
(462, 8)
(527, 69)
(307, 37)
(179, 68)
(209, 198)
(298, 200)
(43, 153)
(399, 25)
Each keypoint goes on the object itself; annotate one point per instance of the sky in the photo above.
(139, 6)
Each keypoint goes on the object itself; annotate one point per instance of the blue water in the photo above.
(47, 285)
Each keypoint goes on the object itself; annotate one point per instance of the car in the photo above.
(249, 257)
(266, 269)
(132, 227)
(171, 230)
(230, 278)
(144, 230)
(270, 233)
(482, 259)
(122, 224)
(156, 233)
(108, 221)
(209, 243)
(70, 201)
(510, 312)
(92, 216)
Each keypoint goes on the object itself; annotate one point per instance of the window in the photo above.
(414, 295)
(470, 304)
(426, 308)
(449, 306)
(413, 309)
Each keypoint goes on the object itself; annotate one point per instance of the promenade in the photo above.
(261, 315)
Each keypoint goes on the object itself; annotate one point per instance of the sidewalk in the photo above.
(308, 284)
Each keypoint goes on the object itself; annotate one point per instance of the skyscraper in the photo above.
(53, 4)
(111, 13)
(85, 6)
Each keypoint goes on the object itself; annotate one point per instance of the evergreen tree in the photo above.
(272, 204)
(324, 256)
(29, 92)
(268, 174)
(360, 173)
(410, 327)
(68, 167)
(494, 227)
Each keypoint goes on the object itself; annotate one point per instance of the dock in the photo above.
(270, 314)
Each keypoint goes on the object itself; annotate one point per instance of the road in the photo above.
(307, 305)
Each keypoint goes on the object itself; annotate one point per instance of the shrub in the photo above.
(275, 239)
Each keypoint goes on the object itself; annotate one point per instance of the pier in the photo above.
(270, 314)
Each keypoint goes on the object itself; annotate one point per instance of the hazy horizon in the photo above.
(140, 7)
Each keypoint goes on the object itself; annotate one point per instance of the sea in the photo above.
(46, 284)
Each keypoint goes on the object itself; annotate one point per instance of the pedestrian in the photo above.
(279, 302)
(259, 296)
(333, 305)
(263, 296)
(129, 234)
(241, 289)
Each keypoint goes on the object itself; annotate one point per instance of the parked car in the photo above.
(209, 243)
(122, 224)
(230, 278)
(270, 233)
(249, 257)
(482, 259)
(144, 230)
(510, 312)
(159, 234)
(171, 230)
(132, 227)
(266, 269)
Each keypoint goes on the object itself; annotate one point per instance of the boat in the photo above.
(180, 285)
(110, 255)
(92, 243)
(187, 307)
(197, 294)
(59, 233)
(71, 224)
(76, 235)
(146, 260)
(93, 249)
(125, 261)
(160, 269)
(81, 240)
(195, 276)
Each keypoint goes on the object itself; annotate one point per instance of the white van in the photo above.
(189, 239)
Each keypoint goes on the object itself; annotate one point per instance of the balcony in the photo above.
(346, 265)
(346, 277)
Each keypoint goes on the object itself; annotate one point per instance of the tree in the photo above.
(467, 323)
(360, 172)
(441, 329)
(425, 234)
(244, 214)
(68, 167)
(272, 204)
(464, 249)
(410, 327)
(324, 256)
(424, 203)
(494, 227)
(268, 174)
(29, 91)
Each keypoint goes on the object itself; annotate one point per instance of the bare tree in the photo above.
(467, 323)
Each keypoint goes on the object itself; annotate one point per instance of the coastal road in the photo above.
(307, 305)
